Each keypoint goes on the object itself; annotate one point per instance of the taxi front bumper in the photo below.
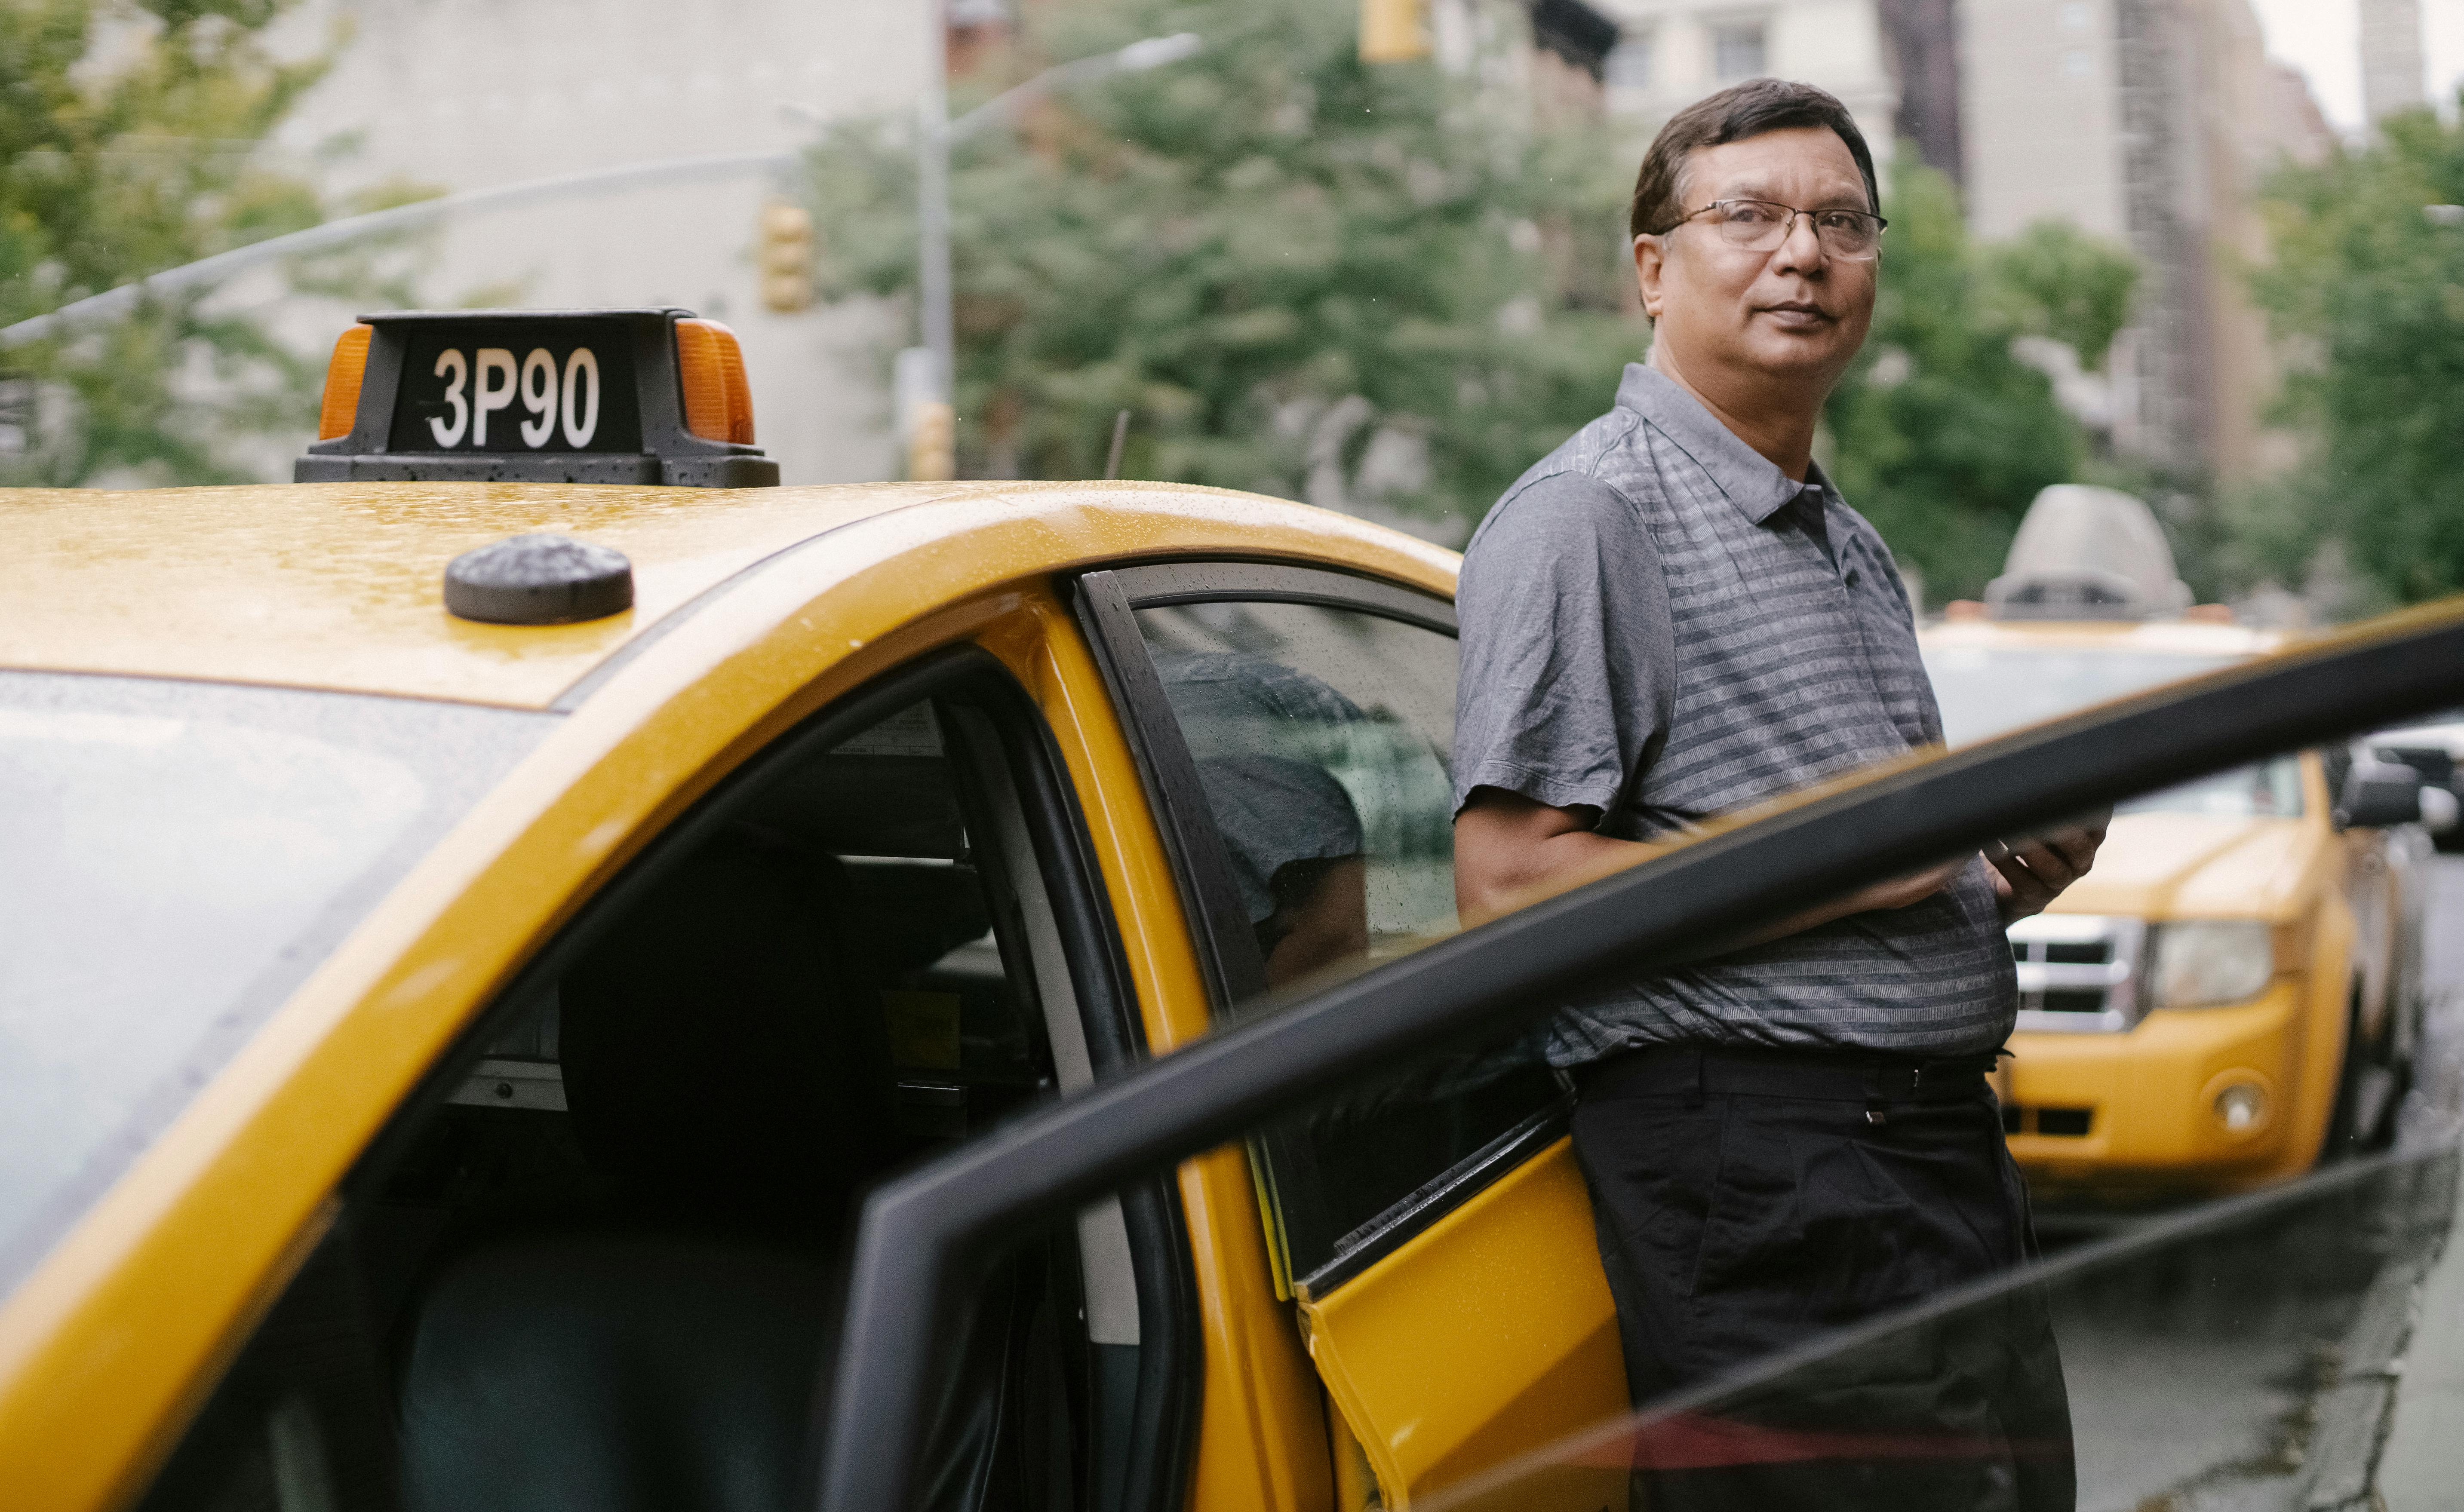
(2140, 1109)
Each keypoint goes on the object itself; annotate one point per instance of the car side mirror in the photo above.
(2439, 809)
(2378, 795)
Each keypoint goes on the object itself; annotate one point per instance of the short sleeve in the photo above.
(1568, 673)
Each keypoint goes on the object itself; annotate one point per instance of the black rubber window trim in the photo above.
(1162, 1442)
(1152, 585)
(1227, 950)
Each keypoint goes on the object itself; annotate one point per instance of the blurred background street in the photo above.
(1364, 252)
(2207, 256)
(2201, 1386)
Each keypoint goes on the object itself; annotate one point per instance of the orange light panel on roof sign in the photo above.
(719, 402)
(341, 410)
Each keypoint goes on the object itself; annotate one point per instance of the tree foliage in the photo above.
(2054, 280)
(2366, 291)
(1311, 278)
(1941, 435)
(1285, 263)
(127, 138)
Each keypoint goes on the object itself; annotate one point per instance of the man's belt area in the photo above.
(1846, 1076)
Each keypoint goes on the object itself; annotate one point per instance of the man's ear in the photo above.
(1650, 255)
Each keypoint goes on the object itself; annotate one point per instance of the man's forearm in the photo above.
(1510, 852)
(1495, 879)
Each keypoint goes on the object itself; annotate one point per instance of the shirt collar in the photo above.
(1747, 479)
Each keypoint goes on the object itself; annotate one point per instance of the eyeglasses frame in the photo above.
(1879, 224)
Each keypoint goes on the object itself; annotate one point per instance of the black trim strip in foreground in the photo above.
(924, 1237)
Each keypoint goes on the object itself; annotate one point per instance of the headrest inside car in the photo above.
(723, 1046)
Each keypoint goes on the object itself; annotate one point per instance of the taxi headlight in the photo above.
(2200, 963)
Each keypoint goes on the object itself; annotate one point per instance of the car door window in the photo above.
(599, 1256)
(1311, 718)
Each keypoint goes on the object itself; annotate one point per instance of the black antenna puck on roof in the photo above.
(539, 579)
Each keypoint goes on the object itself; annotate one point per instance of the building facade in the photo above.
(2391, 58)
(2152, 122)
(1671, 52)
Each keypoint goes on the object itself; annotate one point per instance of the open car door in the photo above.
(924, 1234)
(1432, 1234)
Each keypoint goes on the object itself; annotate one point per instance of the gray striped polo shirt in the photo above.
(1659, 624)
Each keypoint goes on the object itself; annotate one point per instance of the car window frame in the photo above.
(920, 1236)
(1158, 1439)
(1107, 603)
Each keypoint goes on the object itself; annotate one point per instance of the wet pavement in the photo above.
(2278, 1365)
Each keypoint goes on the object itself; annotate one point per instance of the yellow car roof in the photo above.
(339, 585)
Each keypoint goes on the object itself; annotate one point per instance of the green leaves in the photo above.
(1239, 246)
(2368, 292)
(111, 171)
(2054, 280)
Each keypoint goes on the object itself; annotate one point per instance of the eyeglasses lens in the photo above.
(1754, 226)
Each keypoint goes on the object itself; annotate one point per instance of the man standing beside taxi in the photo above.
(1673, 616)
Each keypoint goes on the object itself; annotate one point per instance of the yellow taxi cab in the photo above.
(536, 984)
(468, 901)
(2234, 990)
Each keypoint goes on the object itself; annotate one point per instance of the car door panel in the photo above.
(1485, 1334)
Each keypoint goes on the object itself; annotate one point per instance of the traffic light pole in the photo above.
(930, 440)
(927, 374)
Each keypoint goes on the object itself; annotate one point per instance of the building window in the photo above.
(2075, 16)
(1629, 62)
(1736, 50)
(2077, 64)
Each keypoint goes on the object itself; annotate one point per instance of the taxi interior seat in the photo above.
(601, 1265)
(726, 1066)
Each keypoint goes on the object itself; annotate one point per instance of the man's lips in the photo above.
(1796, 316)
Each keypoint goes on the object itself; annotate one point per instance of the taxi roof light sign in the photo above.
(548, 396)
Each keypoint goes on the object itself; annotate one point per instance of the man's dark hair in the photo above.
(1732, 115)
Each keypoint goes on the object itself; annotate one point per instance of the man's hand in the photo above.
(2033, 873)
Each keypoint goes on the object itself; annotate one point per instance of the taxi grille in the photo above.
(2079, 971)
(2053, 1123)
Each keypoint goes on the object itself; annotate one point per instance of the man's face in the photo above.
(1797, 313)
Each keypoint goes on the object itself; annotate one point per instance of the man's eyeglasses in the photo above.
(1761, 226)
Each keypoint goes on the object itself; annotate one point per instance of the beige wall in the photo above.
(2240, 97)
(2038, 110)
(1836, 44)
(468, 94)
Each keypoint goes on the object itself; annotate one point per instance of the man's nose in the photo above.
(1802, 250)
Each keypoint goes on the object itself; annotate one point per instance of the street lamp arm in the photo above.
(1154, 52)
(207, 272)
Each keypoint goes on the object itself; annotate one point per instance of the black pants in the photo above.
(1748, 1202)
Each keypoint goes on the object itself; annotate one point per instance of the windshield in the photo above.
(1986, 691)
(174, 859)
